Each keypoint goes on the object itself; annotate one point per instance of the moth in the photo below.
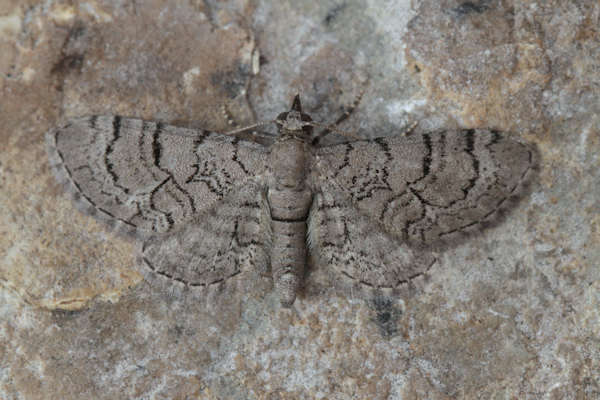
(208, 206)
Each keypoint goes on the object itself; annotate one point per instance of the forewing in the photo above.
(147, 177)
(430, 189)
(214, 247)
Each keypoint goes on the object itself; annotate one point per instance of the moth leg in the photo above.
(248, 132)
(407, 130)
(228, 117)
(349, 110)
(345, 115)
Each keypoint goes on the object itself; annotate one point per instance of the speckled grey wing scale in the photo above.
(170, 186)
(383, 204)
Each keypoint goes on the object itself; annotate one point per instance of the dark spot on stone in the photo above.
(384, 317)
(65, 314)
(177, 330)
(72, 54)
(67, 63)
(262, 60)
(387, 314)
(469, 7)
(76, 32)
(233, 82)
(333, 13)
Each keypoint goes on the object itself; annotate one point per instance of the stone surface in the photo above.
(511, 314)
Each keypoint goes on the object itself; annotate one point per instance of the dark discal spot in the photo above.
(387, 314)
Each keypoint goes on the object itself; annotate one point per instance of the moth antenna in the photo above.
(248, 127)
(351, 135)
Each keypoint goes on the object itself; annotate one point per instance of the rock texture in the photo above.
(513, 313)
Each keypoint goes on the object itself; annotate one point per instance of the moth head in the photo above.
(294, 122)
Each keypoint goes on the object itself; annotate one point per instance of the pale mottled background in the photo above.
(512, 314)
